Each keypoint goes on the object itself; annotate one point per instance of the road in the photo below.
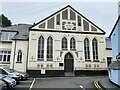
(61, 83)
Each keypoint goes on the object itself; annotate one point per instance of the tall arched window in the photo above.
(49, 48)
(19, 56)
(72, 43)
(41, 48)
(95, 49)
(64, 43)
(86, 49)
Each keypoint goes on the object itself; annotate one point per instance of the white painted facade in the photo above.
(57, 58)
(16, 46)
(67, 23)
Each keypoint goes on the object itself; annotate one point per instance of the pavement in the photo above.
(106, 84)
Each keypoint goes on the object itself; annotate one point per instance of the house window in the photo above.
(93, 28)
(41, 48)
(50, 49)
(79, 21)
(58, 19)
(64, 43)
(72, 44)
(65, 14)
(86, 25)
(95, 49)
(72, 15)
(19, 56)
(42, 25)
(7, 36)
(50, 23)
(5, 56)
(86, 49)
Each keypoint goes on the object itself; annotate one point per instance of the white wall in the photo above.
(23, 46)
(78, 64)
(5, 45)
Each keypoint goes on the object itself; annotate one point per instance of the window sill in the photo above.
(49, 59)
(4, 62)
(88, 60)
(95, 60)
(73, 49)
(6, 41)
(40, 59)
(64, 49)
(18, 62)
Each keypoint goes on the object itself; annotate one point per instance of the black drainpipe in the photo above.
(27, 56)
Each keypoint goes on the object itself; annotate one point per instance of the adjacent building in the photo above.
(114, 68)
(64, 42)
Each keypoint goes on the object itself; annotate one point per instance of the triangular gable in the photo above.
(67, 19)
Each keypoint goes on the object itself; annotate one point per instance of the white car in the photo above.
(7, 71)
(4, 85)
(24, 75)
(12, 82)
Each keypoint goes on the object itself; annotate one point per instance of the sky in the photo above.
(103, 13)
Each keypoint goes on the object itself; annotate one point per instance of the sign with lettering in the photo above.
(43, 71)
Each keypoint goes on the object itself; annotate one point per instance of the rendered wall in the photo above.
(57, 58)
(16, 46)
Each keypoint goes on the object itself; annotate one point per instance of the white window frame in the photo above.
(7, 53)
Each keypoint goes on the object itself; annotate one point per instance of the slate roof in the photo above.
(115, 65)
(5, 29)
(23, 31)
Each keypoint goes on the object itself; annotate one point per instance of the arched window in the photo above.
(72, 43)
(95, 49)
(50, 49)
(86, 49)
(41, 48)
(64, 43)
(19, 56)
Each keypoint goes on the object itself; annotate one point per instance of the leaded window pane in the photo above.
(86, 49)
(72, 15)
(86, 25)
(65, 14)
(41, 48)
(5, 56)
(19, 56)
(64, 43)
(49, 48)
(95, 49)
(72, 43)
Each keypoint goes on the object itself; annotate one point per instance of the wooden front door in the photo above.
(68, 63)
